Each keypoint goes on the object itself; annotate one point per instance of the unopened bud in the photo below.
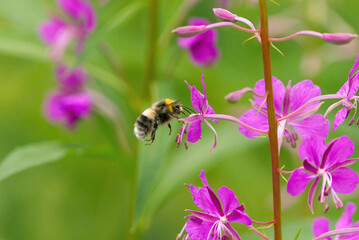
(186, 145)
(224, 14)
(188, 31)
(338, 38)
(235, 96)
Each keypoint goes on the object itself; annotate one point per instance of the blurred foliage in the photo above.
(103, 190)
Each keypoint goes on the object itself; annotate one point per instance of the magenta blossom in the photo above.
(68, 109)
(59, 33)
(202, 47)
(194, 121)
(69, 103)
(322, 225)
(286, 101)
(348, 91)
(326, 162)
(214, 222)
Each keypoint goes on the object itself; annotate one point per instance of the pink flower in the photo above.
(202, 47)
(348, 90)
(59, 33)
(200, 104)
(326, 162)
(69, 103)
(214, 222)
(287, 100)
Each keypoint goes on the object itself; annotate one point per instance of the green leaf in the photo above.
(32, 155)
(298, 233)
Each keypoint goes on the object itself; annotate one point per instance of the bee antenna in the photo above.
(190, 110)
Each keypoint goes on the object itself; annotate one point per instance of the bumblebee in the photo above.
(160, 113)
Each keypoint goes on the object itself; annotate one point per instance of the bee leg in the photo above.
(153, 134)
(169, 125)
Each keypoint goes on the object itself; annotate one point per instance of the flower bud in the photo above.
(224, 14)
(188, 31)
(338, 38)
(235, 96)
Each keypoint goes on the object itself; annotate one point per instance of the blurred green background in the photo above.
(100, 191)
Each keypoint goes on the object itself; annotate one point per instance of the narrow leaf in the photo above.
(298, 233)
(32, 155)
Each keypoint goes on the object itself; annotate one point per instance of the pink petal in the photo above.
(301, 93)
(321, 225)
(203, 200)
(89, 16)
(298, 181)
(239, 217)
(228, 199)
(196, 99)
(279, 91)
(355, 66)
(254, 119)
(353, 86)
(314, 125)
(198, 229)
(341, 150)
(49, 31)
(215, 201)
(53, 110)
(340, 117)
(202, 216)
(81, 11)
(71, 81)
(203, 178)
(345, 180)
(194, 131)
(344, 89)
(312, 150)
(203, 49)
(204, 53)
(346, 219)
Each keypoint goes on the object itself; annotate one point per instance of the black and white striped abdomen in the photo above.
(144, 124)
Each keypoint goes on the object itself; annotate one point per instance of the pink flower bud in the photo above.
(188, 31)
(235, 96)
(338, 38)
(224, 14)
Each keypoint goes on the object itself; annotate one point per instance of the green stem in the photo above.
(273, 139)
(152, 48)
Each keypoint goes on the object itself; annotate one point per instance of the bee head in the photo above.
(177, 108)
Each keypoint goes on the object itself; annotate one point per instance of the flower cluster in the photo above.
(60, 32)
(70, 102)
(295, 115)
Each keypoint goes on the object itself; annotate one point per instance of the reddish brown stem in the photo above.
(273, 139)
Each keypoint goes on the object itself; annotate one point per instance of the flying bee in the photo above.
(160, 113)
